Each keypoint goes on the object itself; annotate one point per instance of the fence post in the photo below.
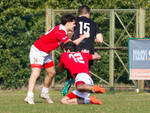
(50, 24)
(53, 52)
(141, 24)
(48, 19)
(111, 52)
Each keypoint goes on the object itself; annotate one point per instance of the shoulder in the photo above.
(92, 21)
(63, 54)
(61, 29)
(85, 53)
(60, 33)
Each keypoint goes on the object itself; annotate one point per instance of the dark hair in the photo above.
(83, 10)
(69, 46)
(67, 18)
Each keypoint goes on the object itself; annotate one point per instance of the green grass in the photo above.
(116, 102)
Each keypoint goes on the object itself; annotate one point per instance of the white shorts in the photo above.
(85, 78)
(39, 58)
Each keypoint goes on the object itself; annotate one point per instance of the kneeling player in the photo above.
(77, 64)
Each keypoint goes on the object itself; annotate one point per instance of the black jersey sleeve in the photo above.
(97, 29)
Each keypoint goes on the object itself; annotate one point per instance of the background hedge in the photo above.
(22, 22)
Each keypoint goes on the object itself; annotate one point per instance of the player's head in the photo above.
(68, 21)
(67, 18)
(84, 10)
(69, 46)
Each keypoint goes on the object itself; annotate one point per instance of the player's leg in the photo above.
(82, 91)
(67, 100)
(50, 73)
(32, 80)
(89, 88)
(36, 61)
(31, 84)
(82, 87)
(71, 98)
(47, 82)
(84, 83)
(67, 84)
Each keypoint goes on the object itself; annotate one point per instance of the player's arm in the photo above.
(96, 56)
(82, 37)
(79, 40)
(99, 38)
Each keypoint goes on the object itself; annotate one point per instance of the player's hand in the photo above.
(99, 38)
(86, 35)
(70, 34)
(96, 56)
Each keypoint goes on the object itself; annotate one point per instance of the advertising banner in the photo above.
(139, 59)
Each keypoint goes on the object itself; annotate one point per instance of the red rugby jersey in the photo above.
(51, 39)
(75, 62)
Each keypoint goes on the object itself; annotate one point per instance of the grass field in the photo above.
(113, 102)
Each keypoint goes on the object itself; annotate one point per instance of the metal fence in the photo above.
(120, 24)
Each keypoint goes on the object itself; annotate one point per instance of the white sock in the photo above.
(30, 94)
(87, 101)
(45, 90)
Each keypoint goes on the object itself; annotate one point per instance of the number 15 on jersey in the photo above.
(84, 27)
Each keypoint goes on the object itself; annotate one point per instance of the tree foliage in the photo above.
(23, 22)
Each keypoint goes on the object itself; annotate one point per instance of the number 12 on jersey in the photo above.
(77, 57)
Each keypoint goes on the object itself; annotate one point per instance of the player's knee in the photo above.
(35, 73)
(51, 73)
(64, 101)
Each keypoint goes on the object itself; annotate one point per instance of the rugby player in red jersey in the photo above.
(77, 63)
(40, 57)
